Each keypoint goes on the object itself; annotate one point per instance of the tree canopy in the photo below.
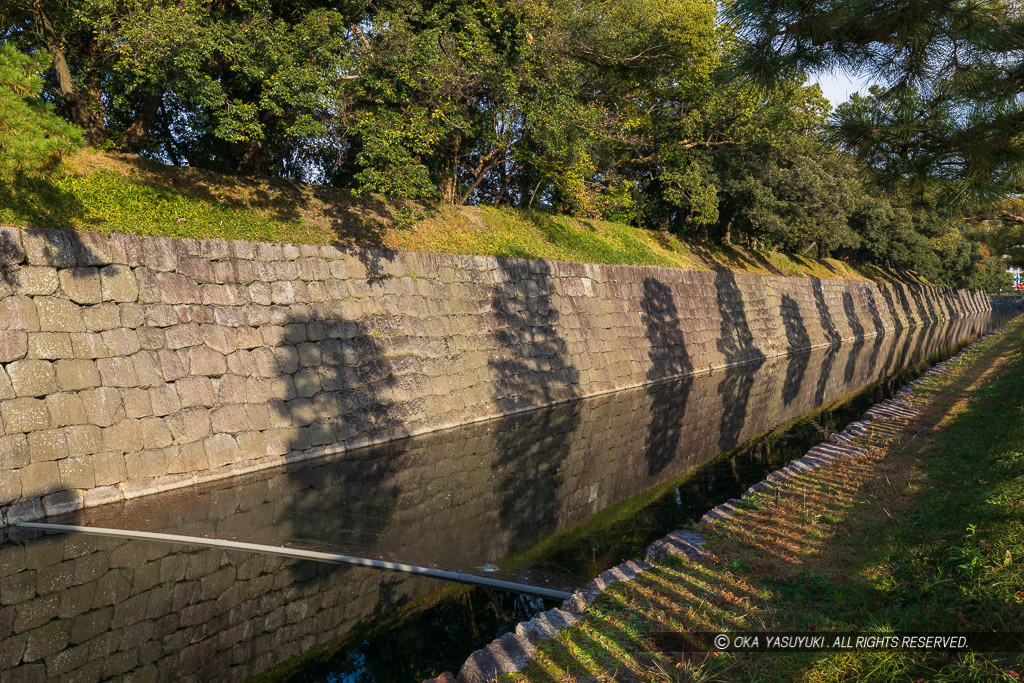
(641, 111)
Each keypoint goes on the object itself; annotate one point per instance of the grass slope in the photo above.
(122, 193)
(926, 533)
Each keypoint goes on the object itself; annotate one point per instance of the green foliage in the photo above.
(32, 138)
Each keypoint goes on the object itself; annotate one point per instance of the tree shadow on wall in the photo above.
(853, 320)
(799, 344)
(531, 368)
(831, 336)
(743, 359)
(59, 248)
(669, 358)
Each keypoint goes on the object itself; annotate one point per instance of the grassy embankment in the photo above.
(121, 193)
(926, 533)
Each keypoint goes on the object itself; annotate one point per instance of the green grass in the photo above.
(924, 534)
(121, 193)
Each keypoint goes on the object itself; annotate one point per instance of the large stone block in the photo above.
(50, 345)
(36, 280)
(189, 425)
(83, 439)
(39, 479)
(160, 253)
(13, 345)
(81, 285)
(221, 449)
(117, 283)
(48, 444)
(124, 436)
(105, 316)
(205, 361)
(59, 315)
(117, 372)
(195, 391)
(103, 406)
(177, 289)
(77, 473)
(32, 377)
(19, 313)
(66, 409)
(50, 247)
(13, 452)
(74, 375)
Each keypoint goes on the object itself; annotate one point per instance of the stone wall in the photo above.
(87, 609)
(133, 365)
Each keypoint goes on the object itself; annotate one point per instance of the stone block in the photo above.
(66, 409)
(241, 363)
(109, 468)
(74, 375)
(126, 249)
(88, 345)
(137, 403)
(12, 252)
(10, 487)
(39, 479)
(155, 433)
(13, 345)
(307, 382)
(101, 317)
(92, 249)
(220, 339)
(177, 289)
(24, 415)
(19, 313)
(230, 419)
(49, 247)
(189, 425)
(160, 253)
(59, 315)
(13, 452)
(83, 439)
(121, 342)
(50, 345)
(147, 368)
(145, 464)
(233, 389)
(103, 405)
(124, 436)
(47, 444)
(221, 449)
(117, 283)
(6, 388)
(36, 280)
(173, 364)
(81, 285)
(183, 336)
(151, 338)
(198, 269)
(190, 457)
(195, 391)
(31, 377)
(205, 361)
(117, 372)
(164, 399)
(251, 445)
(77, 473)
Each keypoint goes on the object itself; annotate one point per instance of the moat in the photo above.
(547, 498)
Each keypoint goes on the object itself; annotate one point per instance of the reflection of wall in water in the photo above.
(450, 489)
(101, 607)
(133, 365)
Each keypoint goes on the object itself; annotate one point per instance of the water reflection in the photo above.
(458, 499)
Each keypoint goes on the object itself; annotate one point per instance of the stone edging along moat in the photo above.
(513, 651)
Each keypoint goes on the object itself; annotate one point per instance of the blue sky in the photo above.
(837, 87)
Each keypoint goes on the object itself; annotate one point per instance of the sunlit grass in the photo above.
(120, 193)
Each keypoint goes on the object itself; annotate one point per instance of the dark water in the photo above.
(549, 498)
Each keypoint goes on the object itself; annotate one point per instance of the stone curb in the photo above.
(513, 651)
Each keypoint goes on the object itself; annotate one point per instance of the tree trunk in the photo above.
(138, 131)
(821, 250)
(89, 121)
(727, 233)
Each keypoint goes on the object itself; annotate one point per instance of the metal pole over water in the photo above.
(296, 553)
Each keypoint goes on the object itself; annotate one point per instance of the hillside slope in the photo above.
(123, 193)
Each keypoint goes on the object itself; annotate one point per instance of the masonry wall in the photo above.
(87, 609)
(133, 365)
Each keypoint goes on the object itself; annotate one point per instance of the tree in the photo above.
(950, 111)
(32, 138)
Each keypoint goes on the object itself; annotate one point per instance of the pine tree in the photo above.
(32, 137)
